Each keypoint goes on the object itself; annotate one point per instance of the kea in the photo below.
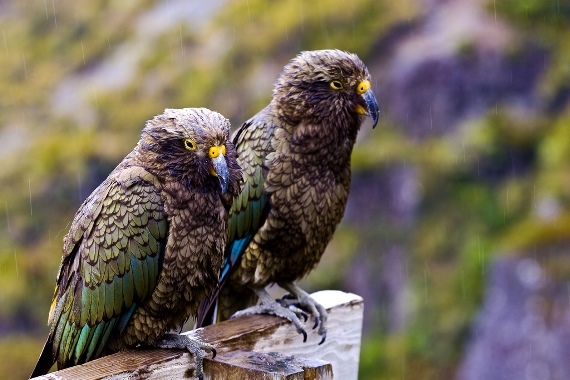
(295, 154)
(146, 247)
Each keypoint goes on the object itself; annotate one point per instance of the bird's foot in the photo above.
(301, 300)
(195, 347)
(292, 314)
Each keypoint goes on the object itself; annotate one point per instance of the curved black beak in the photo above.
(221, 171)
(372, 106)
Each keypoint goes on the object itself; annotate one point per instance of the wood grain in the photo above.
(246, 346)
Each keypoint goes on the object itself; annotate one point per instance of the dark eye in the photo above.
(190, 144)
(336, 85)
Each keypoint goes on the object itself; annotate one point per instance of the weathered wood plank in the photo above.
(252, 365)
(259, 334)
(342, 346)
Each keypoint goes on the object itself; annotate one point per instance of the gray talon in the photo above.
(297, 297)
(195, 347)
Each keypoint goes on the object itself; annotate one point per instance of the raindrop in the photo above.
(96, 100)
(79, 192)
(171, 50)
(568, 287)
(426, 272)
(5, 42)
(16, 261)
(463, 285)
(8, 217)
(508, 204)
(83, 52)
(63, 229)
(25, 68)
(480, 254)
(54, 16)
(30, 193)
(181, 44)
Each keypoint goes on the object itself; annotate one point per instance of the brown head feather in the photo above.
(303, 91)
(161, 148)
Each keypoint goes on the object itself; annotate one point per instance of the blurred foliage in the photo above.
(474, 201)
(545, 22)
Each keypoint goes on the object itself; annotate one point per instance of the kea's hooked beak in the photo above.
(219, 166)
(364, 89)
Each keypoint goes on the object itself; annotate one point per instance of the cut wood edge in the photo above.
(261, 334)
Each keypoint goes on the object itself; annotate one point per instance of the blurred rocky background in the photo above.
(457, 232)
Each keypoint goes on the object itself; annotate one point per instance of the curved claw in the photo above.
(323, 339)
(214, 353)
(297, 297)
(195, 347)
(279, 309)
(290, 303)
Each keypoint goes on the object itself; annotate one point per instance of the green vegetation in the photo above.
(473, 203)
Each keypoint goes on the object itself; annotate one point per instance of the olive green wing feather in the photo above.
(250, 207)
(112, 260)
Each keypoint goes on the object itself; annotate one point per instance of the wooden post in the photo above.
(252, 347)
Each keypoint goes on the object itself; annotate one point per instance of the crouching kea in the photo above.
(146, 247)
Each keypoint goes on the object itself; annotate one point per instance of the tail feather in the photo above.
(45, 362)
(205, 316)
(225, 302)
(207, 309)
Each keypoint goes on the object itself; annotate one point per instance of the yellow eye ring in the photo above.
(336, 85)
(190, 144)
(215, 151)
(362, 87)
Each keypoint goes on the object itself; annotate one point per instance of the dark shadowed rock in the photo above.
(386, 201)
(523, 329)
(456, 63)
